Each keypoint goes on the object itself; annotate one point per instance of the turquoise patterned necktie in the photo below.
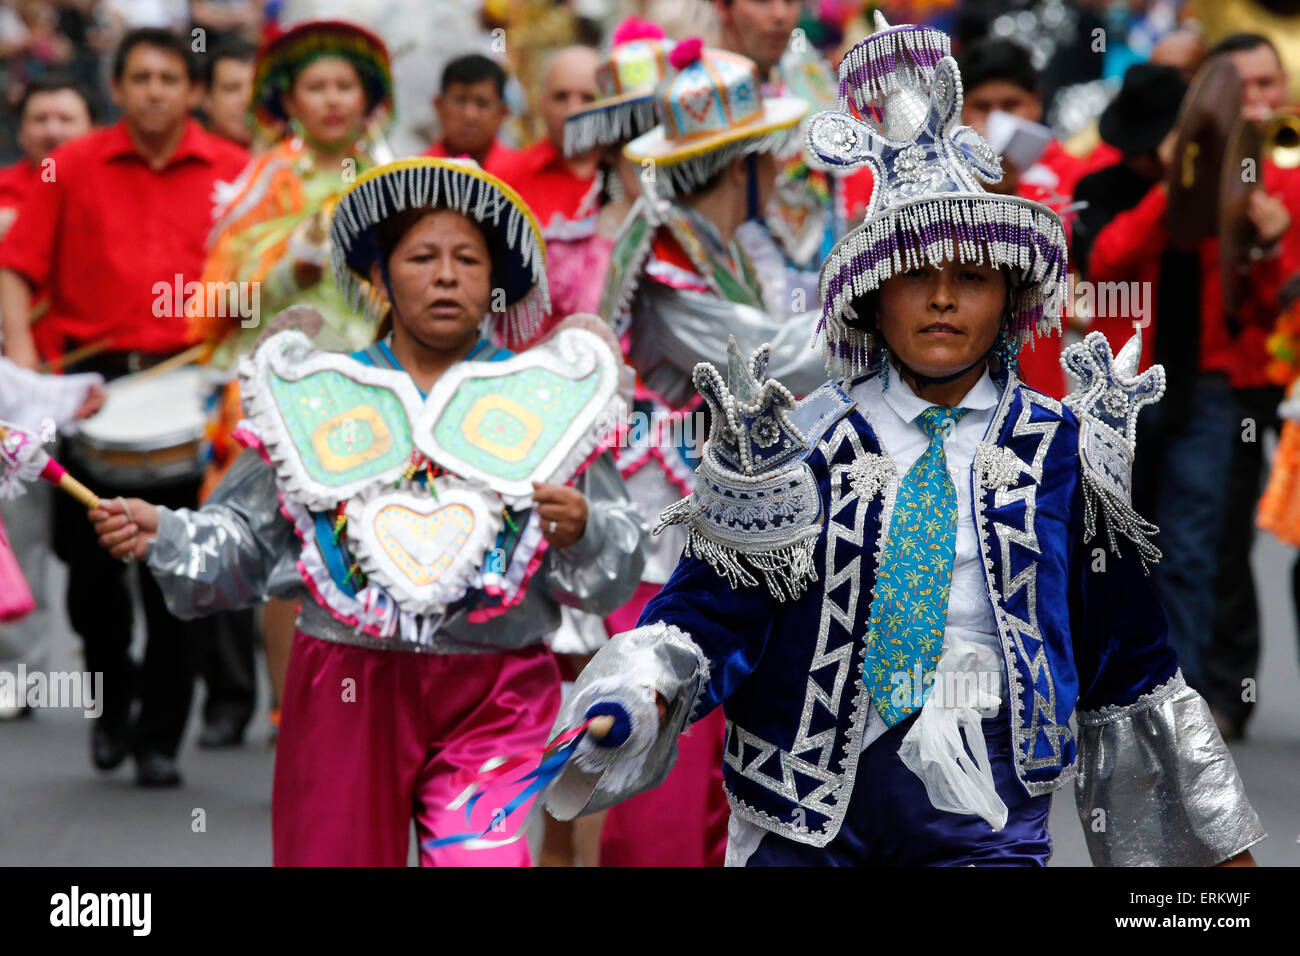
(907, 616)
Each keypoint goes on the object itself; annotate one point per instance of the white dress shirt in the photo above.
(892, 413)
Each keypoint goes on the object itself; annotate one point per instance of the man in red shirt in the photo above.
(557, 188)
(1200, 474)
(1233, 652)
(53, 110)
(471, 108)
(125, 214)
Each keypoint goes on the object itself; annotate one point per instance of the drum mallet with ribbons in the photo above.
(22, 459)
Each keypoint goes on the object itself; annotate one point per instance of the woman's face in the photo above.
(327, 98)
(441, 277)
(941, 320)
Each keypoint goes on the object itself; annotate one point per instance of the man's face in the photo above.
(760, 29)
(570, 85)
(227, 102)
(51, 119)
(470, 115)
(154, 92)
(999, 95)
(1263, 82)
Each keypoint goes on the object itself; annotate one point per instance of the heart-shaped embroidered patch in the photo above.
(697, 104)
(421, 548)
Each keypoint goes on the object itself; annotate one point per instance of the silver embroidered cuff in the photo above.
(659, 656)
(1156, 784)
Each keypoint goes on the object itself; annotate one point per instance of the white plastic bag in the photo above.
(968, 685)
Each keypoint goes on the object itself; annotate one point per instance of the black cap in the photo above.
(1145, 110)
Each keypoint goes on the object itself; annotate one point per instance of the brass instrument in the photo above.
(1203, 131)
(1281, 140)
(1276, 140)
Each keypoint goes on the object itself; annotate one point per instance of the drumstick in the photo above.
(56, 474)
(194, 353)
(76, 355)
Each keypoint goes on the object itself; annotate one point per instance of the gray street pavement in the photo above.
(59, 811)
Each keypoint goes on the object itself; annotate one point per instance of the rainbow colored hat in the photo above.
(514, 237)
(928, 203)
(711, 111)
(636, 62)
(282, 56)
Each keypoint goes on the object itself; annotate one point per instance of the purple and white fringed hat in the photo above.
(928, 203)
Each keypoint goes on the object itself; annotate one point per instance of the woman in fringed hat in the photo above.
(322, 93)
(432, 499)
(692, 266)
(902, 589)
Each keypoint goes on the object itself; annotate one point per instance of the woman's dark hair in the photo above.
(390, 232)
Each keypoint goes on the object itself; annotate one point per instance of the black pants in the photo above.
(226, 662)
(99, 608)
(1233, 654)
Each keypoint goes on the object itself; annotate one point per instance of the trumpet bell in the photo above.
(1282, 140)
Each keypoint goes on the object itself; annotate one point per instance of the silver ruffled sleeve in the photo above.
(658, 656)
(1156, 784)
(599, 572)
(675, 329)
(224, 555)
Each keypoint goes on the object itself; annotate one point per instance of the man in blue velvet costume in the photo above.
(901, 588)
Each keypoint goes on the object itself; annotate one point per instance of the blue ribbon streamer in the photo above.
(547, 771)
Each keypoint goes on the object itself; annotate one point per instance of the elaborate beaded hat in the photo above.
(281, 57)
(637, 62)
(514, 237)
(900, 114)
(711, 111)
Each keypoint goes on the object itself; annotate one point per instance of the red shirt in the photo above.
(499, 156)
(1129, 248)
(540, 175)
(107, 229)
(17, 182)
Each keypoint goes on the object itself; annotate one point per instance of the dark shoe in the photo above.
(222, 731)
(156, 770)
(109, 744)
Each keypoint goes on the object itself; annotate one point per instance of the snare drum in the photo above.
(151, 431)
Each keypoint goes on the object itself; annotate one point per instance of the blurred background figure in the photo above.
(1232, 656)
(471, 106)
(559, 188)
(53, 110)
(228, 89)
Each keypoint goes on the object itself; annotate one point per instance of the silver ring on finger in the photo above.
(551, 527)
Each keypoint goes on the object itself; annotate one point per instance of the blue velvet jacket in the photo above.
(1080, 625)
